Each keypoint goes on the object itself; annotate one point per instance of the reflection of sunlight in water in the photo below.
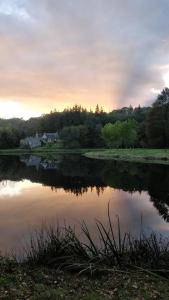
(11, 188)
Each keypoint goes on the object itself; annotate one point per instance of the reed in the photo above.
(61, 247)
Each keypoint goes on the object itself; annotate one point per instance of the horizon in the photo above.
(55, 54)
(69, 108)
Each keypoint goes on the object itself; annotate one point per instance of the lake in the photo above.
(72, 188)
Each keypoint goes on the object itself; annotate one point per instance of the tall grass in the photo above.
(61, 247)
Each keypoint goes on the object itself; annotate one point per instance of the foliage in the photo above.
(81, 136)
(157, 123)
(120, 134)
(77, 115)
(92, 121)
(70, 137)
(138, 114)
(9, 138)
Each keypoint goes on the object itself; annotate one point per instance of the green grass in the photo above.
(160, 156)
(44, 150)
(137, 155)
(50, 148)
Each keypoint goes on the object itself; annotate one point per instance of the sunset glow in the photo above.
(54, 54)
(13, 109)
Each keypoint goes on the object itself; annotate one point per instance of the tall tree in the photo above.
(157, 124)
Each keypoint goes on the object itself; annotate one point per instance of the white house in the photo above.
(50, 137)
(38, 140)
(30, 142)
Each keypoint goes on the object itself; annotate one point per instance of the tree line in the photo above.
(77, 127)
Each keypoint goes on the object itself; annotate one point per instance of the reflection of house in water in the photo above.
(49, 165)
(32, 161)
(38, 162)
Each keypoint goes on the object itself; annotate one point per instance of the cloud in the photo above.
(14, 9)
(56, 53)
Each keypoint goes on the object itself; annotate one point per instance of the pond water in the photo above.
(72, 188)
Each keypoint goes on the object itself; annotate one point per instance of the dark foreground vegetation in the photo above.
(23, 282)
(59, 264)
(145, 127)
(64, 248)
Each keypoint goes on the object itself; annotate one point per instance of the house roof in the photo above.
(51, 135)
(30, 140)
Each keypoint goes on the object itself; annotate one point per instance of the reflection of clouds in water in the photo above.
(136, 211)
(11, 188)
(31, 203)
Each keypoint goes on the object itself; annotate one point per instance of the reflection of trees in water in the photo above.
(159, 190)
(77, 174)
(79, 191)
(162, 207)
(142, 177)
(129, 177)
(72, 173)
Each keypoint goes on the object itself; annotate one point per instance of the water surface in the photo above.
(73, 188)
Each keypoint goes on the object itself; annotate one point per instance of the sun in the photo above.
(13, 109)
(166, 79)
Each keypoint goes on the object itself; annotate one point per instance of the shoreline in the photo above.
(158, 156)
(40, 151)
(140, 155)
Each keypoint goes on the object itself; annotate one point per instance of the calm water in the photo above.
(73, 188)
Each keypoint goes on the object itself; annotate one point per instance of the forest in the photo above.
(78, 128)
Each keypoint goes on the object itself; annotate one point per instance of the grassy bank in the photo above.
(44, 150)
(160, 156)
(23, 282)
(138, 155)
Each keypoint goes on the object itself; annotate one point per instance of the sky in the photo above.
(56, 53)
